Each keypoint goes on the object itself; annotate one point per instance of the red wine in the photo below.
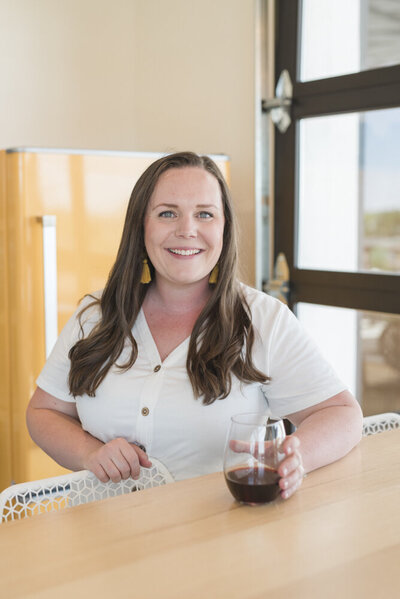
(253, 485)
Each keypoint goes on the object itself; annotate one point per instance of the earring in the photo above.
(214, 275)
(146, 276)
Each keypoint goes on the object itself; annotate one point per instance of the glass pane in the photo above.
(364, 349)
(348, 36)
(349, 192)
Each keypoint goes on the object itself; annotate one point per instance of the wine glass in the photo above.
(252, 456)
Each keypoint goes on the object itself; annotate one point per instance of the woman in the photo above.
(159, 361)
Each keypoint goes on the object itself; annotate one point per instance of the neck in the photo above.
(178, 299)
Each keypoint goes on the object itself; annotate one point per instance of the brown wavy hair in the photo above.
(222, 337)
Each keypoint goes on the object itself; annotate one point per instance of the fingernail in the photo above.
(284, 471)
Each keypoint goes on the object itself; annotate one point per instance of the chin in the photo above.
(184, 280)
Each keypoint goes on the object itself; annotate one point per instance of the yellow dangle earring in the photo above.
(214, 275)
(146, 275)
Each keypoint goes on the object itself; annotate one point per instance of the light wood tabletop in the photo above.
(338, 536)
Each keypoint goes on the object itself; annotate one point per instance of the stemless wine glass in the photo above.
(252, 456)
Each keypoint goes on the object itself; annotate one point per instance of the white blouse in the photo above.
(153, 402)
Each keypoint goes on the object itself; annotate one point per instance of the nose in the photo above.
(186, 227)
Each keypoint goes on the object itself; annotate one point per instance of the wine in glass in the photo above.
(252, 456)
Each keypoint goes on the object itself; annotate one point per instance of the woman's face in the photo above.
(184, 225)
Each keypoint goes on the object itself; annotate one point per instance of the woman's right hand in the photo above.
(117, 460)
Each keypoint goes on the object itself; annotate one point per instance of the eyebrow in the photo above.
(176, 206)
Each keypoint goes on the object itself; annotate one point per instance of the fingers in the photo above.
(289, 465)
(239, 446)
(289, 484)
(99, 471)
(143, 457)
(118, 460)
(290, 445)
(109, 463)
(291, 469)
(114, 470)
(258, 450)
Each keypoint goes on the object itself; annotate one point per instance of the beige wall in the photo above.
(153, 75)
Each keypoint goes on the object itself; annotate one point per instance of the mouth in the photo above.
(183, 252)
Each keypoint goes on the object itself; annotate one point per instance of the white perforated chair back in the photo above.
(380, 423)
(52, 494)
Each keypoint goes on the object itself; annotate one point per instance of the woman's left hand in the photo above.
(291, 468)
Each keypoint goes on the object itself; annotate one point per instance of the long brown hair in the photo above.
(222, 337)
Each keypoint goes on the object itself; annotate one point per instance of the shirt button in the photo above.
(145, 411)
(157, 368)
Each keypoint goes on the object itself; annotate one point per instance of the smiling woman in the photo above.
(175, 345)
(185, 298)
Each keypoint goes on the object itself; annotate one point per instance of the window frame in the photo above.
(366, 90)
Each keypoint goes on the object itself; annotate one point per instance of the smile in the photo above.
(184, 252)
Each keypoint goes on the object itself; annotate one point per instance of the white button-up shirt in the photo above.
(153, 403)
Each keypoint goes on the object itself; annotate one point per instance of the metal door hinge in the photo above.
(279, 286)
(279, 107)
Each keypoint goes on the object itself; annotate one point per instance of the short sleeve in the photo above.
(54, 376)
(299, 374)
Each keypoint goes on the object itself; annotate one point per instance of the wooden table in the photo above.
(339, 536)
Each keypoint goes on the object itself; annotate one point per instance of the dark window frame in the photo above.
(366, 90)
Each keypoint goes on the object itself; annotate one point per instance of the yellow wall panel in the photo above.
(88, 194)
(5, 400)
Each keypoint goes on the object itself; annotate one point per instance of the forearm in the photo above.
(328, 434)
(61, 437)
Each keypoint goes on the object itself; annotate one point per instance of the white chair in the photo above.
(380, 423)
(52, 494)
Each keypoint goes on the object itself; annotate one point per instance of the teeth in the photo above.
(185, 252)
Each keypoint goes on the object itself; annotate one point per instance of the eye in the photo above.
(167, 214)
(206, 215)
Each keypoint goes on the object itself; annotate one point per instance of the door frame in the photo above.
(367, 90)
